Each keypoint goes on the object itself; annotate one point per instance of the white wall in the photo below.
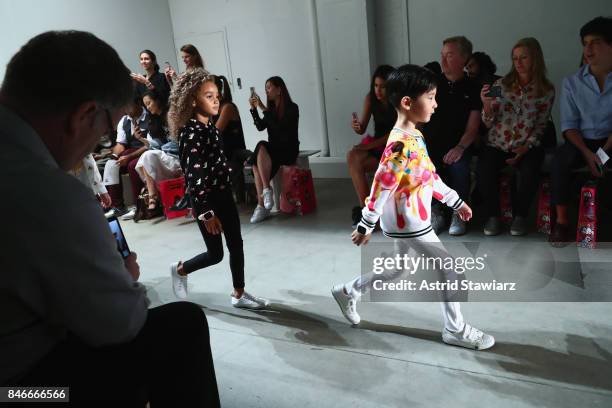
(494, 27)
(346, 58)
(392, 32)
(263, 38)
(128, 26)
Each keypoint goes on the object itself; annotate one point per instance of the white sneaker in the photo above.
(129, 215)
(268, 198)
(248, 301)
(259, 214)
(179, 282)
(347, 303)
(470, 337)
(457, 226)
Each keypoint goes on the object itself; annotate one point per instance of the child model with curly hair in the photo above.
(193, 102)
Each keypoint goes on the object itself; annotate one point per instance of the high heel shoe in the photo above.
(182, 204)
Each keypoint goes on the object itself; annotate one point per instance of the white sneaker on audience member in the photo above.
(259, 214)
(470, 337)
(179, 282)
(115, 212)
(268, 198)
(129, 215)
(347, 303)
(248, 301)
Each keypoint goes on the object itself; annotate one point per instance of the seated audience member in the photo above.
(72, 312)
(365, 156)
(481, 69)
(280, 118)
(434, 66)
(132, 133)
(191, 58)
(157, 164)
(453, 127)
(86, 171)
(232, 136)
(586, 119)
(152, 80)
(516, 121)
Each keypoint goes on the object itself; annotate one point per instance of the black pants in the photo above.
(168, 363)
(490, 164)
(568, 157)
(224, 207)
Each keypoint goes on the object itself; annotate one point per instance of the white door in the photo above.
(213, 49)
(345, 58)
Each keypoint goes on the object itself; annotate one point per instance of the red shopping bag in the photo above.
(171, 191)
(297, 192)
(544, 211)
(586, 231)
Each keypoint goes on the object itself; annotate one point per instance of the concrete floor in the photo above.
(302, 352)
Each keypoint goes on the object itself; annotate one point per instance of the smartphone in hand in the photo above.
(117, 232)
(494, 92)
(355, 117)
(253, 94)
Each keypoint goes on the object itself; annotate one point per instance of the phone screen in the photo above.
(494, 92)
(252, 91)
(117, 232)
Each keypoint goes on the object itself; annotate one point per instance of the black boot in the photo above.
(182, 204)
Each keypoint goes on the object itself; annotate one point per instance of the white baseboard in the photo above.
(329, 167)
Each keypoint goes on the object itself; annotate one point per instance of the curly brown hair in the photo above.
(183, 96)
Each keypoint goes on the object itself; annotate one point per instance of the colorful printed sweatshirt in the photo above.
(404, 184)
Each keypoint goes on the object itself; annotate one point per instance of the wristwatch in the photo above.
(208, 215)
(361, 229)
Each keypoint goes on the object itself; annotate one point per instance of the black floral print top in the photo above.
(203, 162)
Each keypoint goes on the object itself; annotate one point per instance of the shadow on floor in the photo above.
(586, 362)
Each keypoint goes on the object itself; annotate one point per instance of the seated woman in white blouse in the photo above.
(157, 165)
(516, 121)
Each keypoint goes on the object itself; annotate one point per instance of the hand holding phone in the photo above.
(494, 92)
(117, 232)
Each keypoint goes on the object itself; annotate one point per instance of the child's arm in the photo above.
(196, 169)
(445, 194)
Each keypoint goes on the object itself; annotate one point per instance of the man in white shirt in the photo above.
(72, 311)
(132, 142)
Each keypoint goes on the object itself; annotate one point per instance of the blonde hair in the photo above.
(182, 98)
(538, 68)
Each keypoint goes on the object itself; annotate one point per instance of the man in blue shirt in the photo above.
(586, 118)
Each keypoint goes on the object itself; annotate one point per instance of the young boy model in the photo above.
(401, 194)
